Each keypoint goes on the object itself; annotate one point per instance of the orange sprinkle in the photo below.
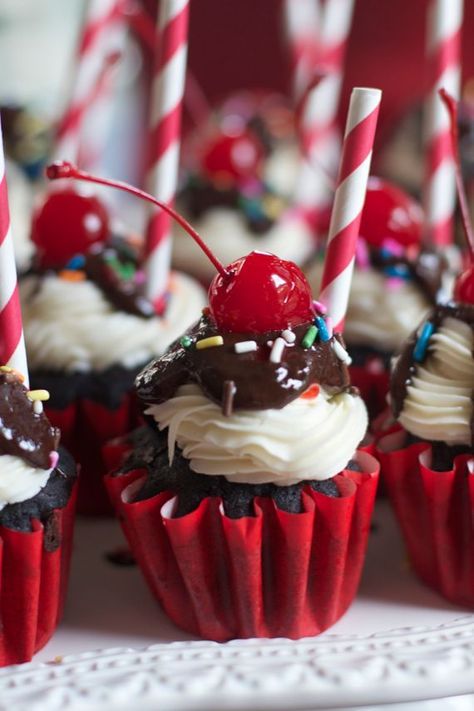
(72, 275)
(311, 392)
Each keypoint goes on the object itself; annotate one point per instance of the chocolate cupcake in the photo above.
(247, 471)
(37, 500)
(89, 328)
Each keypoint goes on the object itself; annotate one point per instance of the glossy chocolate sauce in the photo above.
(405, 365)
(426, 269)
(259, 384)
(23, 433)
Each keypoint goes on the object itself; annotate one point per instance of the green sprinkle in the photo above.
(186, 341)
(309, 337)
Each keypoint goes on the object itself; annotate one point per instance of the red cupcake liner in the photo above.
(373, 387)
(85, 427)
(271, 575)
(33, 582)
(435, 511)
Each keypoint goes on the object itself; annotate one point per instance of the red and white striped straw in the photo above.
(444, 67)
(320, 136)
(164, 145)
(302, 28)
(82, 130)
(348, 202)
(12, 343)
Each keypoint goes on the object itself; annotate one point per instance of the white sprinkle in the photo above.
(245, 346)
(37, 407)
(341, 352)
(277, 350)
(470, 466)
(269, 344)
(289, 336)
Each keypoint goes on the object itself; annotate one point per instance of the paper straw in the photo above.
(443, 56)
(82, 131)
(348, 202)
(165, 128)
(302, 26)
(320, 137)
(12, 343)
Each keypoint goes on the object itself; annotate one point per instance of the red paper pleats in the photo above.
(373, 388)
(85, 427)
(274, 574)
(33, 585)
(435, 511)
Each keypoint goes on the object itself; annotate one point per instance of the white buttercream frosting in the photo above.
(282, 168)
(438, 404)
(71, 326)
(308, 439)
(19, 481)
(228, 236)
(381, 312)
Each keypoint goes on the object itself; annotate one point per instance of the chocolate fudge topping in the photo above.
(426, 269)
(259, 383)
(405, 366)
(23, 433)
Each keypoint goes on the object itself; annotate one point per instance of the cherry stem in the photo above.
(452, 107)
(64, 169)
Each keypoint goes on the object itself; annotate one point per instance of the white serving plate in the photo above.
(399, 642)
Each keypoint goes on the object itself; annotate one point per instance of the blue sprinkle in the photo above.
(77, 262)
(421, 347)
(322, 328)
(385, 253)
(399, 270)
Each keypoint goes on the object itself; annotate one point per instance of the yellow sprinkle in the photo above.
(38, 395)
(7, 369)
(272, 206)
(209, 342)
(72, 275)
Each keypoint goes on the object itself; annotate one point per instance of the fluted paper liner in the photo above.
(373, 388)
(33, 581)
(435, 511)
(86, 425)
(270, 575)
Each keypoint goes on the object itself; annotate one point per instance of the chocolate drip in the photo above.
(23, 433)
(405, 365)
(426, 269)
(259, 383)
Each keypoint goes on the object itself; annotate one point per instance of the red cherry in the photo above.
(464, 287)
(390, 213)
(67, 224)
(233, 157)
(259, 293)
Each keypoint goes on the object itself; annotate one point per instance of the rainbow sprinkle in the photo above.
(210, 342)
(38, 395)
(288, 335)
(422, 343)
(341, 352)
(245, 346)
(324, 334)
(186, 341)
(277, 350)
(309, 337)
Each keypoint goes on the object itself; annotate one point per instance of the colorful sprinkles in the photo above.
(228, 394)
(38, 395)
(245, 346)
(422, 343)
(324, 334)
(277, 350)
(186, 341)
(341, 352)
(210, 342)
(288, 335)
(309, 337)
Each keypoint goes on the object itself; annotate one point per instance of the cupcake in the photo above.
(37, 497)
(244, 498)
(89, 328)
(395, 283)
(240, 175)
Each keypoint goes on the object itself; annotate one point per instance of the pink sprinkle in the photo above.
(329, 325)
(140, 277)
(362, 254)
(394, 283)
(394, 247)
(319, 307)
(53, 459)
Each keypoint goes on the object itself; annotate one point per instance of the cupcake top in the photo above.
(266, 407)
(28, 442)
(432, 381)
(84, 303)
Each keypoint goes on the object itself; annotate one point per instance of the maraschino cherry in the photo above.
(464, 286)
(390, 213)
(66, 224)
(259, 292)
(233, 156)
